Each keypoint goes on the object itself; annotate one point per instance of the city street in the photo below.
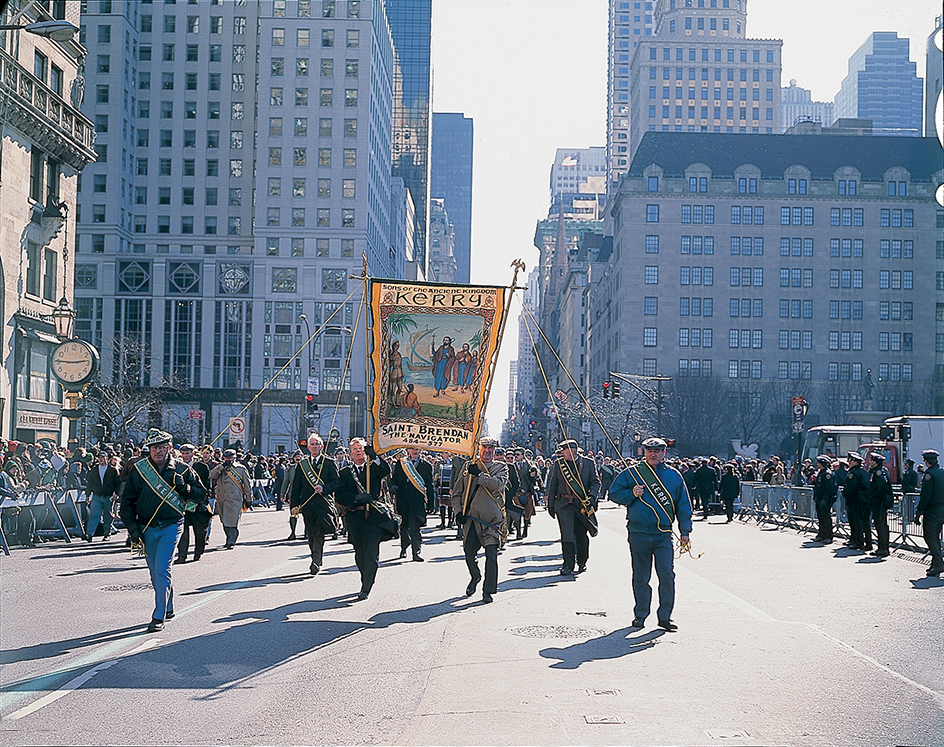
(779, 643)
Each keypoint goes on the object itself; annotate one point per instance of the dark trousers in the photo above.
(471, 545)
(573, 532)
(824, 517)
(366, 540)
(728, 507)
(859, 517)
(316, 529)
(231, 534)
(410, 533)
(197, 522)
(644, 549)
(880, 520)
(933, 521)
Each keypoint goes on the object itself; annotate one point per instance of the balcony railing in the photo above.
(32, 107)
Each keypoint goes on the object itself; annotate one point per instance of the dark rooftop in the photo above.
(773, 154)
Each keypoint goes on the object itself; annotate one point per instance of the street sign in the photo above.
(237, 427)
(585, 427)
(799, 408)
(313, 387)
(197, 414)
(798, 426)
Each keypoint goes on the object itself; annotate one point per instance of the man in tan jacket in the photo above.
(480, 488)
(233, 486)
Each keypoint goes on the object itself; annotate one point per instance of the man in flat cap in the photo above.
(480, 488)
(156, 496)
(881, 500)
(931, 508)
(233, 490)
(856, 495)
(572, 487)
(655, 497)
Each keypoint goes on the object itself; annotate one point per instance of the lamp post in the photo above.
(56, 30)
(63, 316)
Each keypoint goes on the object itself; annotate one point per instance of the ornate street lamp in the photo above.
(63, 316)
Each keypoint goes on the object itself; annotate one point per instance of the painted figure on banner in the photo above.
(395, 388)
(444, 359)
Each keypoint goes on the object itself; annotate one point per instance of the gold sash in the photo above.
(159, 485)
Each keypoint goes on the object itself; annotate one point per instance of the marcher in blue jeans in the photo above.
(99, 511)
(160, 543)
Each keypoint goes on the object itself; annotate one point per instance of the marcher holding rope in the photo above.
(233, 491)
(313, 484)
(655, 497)
(155, 498)
(572, 499)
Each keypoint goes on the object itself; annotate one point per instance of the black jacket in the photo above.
(347, 488)
(856, 489)
(303, 491)
(95, 485)
(410, 500)
(825, 489)
(932, 493)
(880, 488)
(142, 508)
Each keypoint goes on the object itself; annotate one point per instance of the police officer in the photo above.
(880, 500)
(824, 496)
(856, 495)
(931, 507)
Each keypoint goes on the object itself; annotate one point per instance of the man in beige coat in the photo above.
(233, 486)
(480, 488)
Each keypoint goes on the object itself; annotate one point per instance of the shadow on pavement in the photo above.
(58, 648)
(611, 646)
(928, 582)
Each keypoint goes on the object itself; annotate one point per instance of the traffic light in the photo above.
(615, 388)
(670, 442)
(606, 390)
(311, 406)
(303, 444)
(98, 431)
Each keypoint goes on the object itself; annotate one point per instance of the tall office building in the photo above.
(797, 105)
(45, 142)
(578, 178)
(803, 259)
(629, 21)
(882, 85)
(244, 170)
(934, 71)
(451, 179)
(442, 258)
(411, 26)
(700, 73)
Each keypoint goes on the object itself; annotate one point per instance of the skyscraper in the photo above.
(578, 177)
(244, 169)
(451, 180)
(934, 71)
(797, 105)
(882, 85)
(629, 23)
(700, 73)
(411, 27)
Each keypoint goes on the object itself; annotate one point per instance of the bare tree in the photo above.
(694, 413)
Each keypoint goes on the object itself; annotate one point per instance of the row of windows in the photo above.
(679, 94)
(188, 165)
(789, 308)
(716, 114)
(274, 217)
(694, 367)
(277, 67)
(886, 371)
(325, 127)
(851, 341)
(325, 97)
(328, 38)
(745, 338)
(730, 56)
(86, 276)
(893, 341)
(745, 370)
(695, 337)
(680, 74)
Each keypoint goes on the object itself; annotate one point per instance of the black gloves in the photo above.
(180, 485)
(917, 520)
(474, 469)
(135, 535)
(362, 499)
(369, 451)
(459, 519)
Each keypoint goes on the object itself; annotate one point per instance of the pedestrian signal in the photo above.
(606, 390)
(615, 388)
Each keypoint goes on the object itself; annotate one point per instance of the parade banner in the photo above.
(434, 352)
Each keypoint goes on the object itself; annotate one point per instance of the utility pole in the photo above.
(658, 378)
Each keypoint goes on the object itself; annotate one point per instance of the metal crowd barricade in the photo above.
(793, 507)
(261, 498)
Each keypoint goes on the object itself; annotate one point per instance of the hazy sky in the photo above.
(532, 75)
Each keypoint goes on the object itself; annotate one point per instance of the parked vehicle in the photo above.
(906, 437)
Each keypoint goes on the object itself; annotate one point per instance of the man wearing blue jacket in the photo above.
(655, 496)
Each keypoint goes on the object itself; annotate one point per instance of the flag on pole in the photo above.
(561, 395)
(434, 350)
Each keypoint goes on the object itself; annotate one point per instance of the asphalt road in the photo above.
(779, 643)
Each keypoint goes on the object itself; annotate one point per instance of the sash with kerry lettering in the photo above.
(159, 485)
(647, 477)
(413, 475)
(308, 470)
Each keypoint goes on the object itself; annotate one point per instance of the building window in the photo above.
(650, 337)
(652, 214)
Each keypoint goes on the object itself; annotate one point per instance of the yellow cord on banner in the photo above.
(265, 386)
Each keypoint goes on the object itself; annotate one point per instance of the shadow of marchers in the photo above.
(288, 578)
(611, 646)
(523, 570)
(928, 582)
(58, 648)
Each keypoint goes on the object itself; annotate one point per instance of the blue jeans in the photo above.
(644, 549)
(99, 511)
(160, 545)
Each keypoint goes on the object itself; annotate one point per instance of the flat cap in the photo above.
(227, 453)
(188, 447)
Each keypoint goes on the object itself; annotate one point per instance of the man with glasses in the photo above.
(159, 491)
(655, 497)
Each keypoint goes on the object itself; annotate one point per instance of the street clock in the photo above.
(74, 363)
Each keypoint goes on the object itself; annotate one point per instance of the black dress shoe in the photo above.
(638, 622)
(566, 571)
(314, 568)
(486, 598)
(291, 538)
(155, 625)
(170, 615)
(470, 589)
(417, 559)
(668, 625)
(935, 571)
(581, 569)
(362, 595)
(402, 554)
(180, 561)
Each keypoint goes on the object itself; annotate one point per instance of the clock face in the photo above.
(74, 362)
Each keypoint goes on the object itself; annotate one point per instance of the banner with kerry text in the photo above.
(434, 352)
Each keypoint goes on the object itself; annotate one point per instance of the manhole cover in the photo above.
(126, 587)
(555, 631)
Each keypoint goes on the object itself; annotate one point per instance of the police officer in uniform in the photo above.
(156, 496)
(880, 500)
(931, 508)
(856, 495)
(824, 496)
(572, 498)
(313, 483)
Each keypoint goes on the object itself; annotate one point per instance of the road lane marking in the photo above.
(76, 682)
